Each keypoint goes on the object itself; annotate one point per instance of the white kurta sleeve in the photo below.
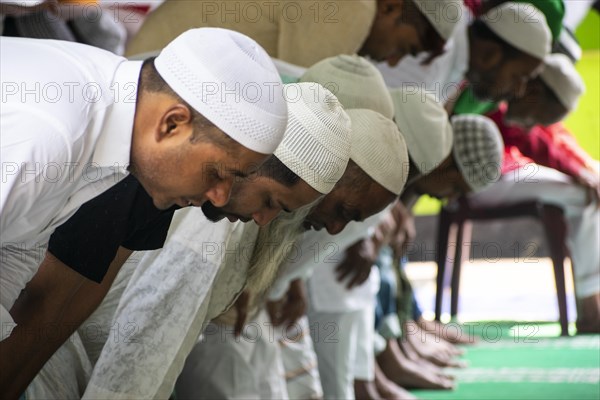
(158, 309)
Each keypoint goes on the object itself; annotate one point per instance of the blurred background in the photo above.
(512, 254)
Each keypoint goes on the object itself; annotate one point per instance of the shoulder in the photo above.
(53, 88)
(321, 29)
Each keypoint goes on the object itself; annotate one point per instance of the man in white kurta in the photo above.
(172, 314)
(161, 307)
(65, 137)
(71, 133)
(519, 26)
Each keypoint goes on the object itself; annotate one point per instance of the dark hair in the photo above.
(204, 130)
(413, 171)
(438, 46)
(274, 169)
(480, 30)
(433, 42)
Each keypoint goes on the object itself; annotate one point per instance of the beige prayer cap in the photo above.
(443, 15)
(316, 144)
(562, 78)
(521, 25)
(378, 148)
(425, 126)
(355, 81)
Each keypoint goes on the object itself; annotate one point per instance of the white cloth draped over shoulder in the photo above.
(165, 304)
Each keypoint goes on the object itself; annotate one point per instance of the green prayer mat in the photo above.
(521, 361)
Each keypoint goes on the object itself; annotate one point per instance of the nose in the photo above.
(263, 217)
(219, 193)
(453, 196)
(394, 60)
(335, 227)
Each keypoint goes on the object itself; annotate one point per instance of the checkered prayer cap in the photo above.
(478, 150)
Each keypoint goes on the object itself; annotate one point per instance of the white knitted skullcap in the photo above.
(425, 126)
(563, 79)
(442, 14)
(378, 148)
(316, 144)
(23, 3)
(478, 150)
(521, 25)
(355, 82)
(229, 79)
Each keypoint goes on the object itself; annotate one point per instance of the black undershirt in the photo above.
(124, 216)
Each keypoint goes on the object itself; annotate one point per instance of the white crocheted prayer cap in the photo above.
(23, 3)
(316, 144)
(442, 14)
(355, 82)
(563, 79)
(521, 25)
(478, 150)
(229, 79)
(424, 123)
(379, 149)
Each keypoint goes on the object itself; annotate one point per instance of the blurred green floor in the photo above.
(514, 361)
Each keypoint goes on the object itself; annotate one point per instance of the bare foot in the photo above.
(452, 333)
(365, 390)
(588, 314)
(409, 351)
(388, 389)
(409, 374)
(428, 355)
(428, 344)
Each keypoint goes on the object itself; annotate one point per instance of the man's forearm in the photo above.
(53, 305)
(34, 312)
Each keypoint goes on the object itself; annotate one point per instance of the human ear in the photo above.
(389, 8)
(173, 120)
(490, 55)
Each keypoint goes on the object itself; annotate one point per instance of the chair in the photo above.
(455, 220)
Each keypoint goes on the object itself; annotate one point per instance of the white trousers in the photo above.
(534, 182)
(64, 376)
(222, 366)
(300, 362)
(344, 345)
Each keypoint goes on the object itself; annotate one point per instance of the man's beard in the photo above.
(482, 84)
(212, 213)
(274, 243)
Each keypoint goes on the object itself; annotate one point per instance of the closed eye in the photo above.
(350, 215)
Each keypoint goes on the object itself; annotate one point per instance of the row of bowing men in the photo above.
(225, 214)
